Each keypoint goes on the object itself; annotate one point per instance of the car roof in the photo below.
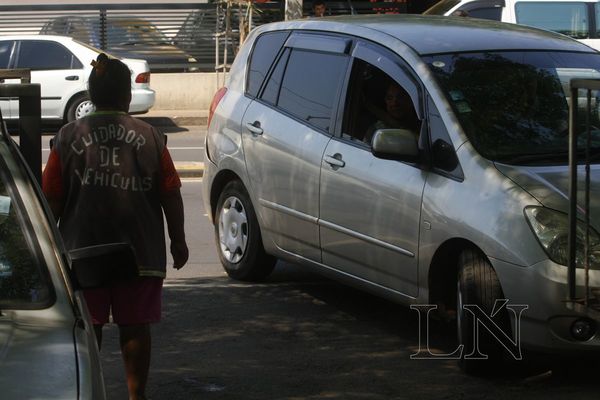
(428, 34)
(56, 38)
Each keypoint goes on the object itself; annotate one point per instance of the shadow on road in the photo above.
(302, 337)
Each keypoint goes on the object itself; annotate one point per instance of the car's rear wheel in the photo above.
(238, 236)
(80, 107)
(478, 285)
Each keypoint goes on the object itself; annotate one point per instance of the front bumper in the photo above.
(542, 287)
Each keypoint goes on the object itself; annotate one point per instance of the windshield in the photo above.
(514, 106)
(442, 7)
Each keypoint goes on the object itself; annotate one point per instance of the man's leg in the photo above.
(136, 345)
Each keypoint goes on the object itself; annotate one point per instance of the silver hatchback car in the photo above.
(423, 159)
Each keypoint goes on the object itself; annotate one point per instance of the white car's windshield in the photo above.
(514, 106)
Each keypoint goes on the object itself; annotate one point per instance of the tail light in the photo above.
(215, 102)
(144, 77)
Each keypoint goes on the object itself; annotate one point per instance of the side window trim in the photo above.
(319, 42)
(396, 70)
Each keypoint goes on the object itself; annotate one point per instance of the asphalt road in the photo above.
(299, 336)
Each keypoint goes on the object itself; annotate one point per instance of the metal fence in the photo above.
(172, 37)
(582, 122)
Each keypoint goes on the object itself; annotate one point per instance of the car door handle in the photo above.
(255, 128)
(335, 161)
(72, 78)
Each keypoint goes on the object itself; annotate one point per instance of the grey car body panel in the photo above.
(40, 352)
(378, 203)
(55, 346)
(550, 186)
(435, 209)
(284, 169)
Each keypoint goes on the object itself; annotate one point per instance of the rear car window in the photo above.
(568, 18)
(42, 55)
(310, 86)
(5, 53)
(265, 50)
(24, 279)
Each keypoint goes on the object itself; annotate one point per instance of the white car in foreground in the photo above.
(61, 65)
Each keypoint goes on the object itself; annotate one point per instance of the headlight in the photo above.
(552, 230)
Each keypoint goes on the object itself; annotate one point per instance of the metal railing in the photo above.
(30, 111)
(586, 299)
(171, 36)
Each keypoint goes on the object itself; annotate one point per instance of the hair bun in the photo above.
(100, 64)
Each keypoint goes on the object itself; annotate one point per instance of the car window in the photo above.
(271, 92)
(265, 50)
(568, 18)
(24, 281)
(310, 86)
(491, 13)
(375, 101)
(5, 52)
(42, 55)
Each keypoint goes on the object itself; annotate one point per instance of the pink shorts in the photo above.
(133, 302)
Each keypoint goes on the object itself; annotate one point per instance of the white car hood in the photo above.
(550, 186)
(36, 361)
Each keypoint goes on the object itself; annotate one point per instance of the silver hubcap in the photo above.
(84, 109)
(233, 230)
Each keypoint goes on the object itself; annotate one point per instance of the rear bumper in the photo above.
(141, 100)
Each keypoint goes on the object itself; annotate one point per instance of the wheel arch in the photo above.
(218, 183)
(74, 97)
(443, 271)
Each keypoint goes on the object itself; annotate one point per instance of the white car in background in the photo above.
(575, 18)
(61, 65)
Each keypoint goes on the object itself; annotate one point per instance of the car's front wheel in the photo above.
(238, 236)
(478, 285)
(80, 107)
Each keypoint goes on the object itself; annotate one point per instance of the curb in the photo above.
(189, 169)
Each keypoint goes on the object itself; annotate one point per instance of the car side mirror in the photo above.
(98, 266)
(395, 144)
(444, 156)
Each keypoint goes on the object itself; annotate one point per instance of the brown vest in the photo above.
(111, 171)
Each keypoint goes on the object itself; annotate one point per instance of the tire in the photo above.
(478, 284)
(238, 238)
(79, 107)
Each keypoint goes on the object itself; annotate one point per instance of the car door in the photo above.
(56, 69)
(370, 207)
(286, 130)
(6, 53)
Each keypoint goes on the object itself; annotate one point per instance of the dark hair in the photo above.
(109, 83)
(318, 3)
